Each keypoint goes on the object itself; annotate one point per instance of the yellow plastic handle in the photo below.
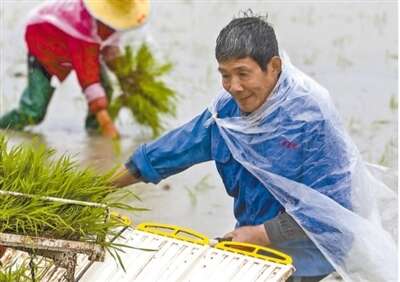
(251, 250)
(121, 218)
(174, 231)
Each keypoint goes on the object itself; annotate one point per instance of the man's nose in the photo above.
(235, 86)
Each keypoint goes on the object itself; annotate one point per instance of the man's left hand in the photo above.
(250, 234)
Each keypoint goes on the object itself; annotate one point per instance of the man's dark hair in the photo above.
(248, 35)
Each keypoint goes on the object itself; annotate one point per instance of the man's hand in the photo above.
(108, 128)
(250, 234)
(123, 177)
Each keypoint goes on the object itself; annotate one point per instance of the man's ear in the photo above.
(275, 65)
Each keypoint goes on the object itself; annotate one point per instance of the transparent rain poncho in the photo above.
(345, 220)
(73, 18)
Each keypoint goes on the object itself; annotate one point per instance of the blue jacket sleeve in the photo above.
(173, 152)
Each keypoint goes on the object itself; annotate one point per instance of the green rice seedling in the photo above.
(202, 186)
(354, 126)
(393, 103)
(25, 268)
(18, 275)
(15, 273)
(386, 158)
(143, 93)
(34, 171)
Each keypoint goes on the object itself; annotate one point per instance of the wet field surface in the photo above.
(351, 49)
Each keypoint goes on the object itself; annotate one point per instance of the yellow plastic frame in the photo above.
(122, 218)
(174, 231)
(235, 247)
(192, 236)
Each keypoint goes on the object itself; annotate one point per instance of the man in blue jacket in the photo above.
(297, 136)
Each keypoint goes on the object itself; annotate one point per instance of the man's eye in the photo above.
(225, 76)
(243, 74)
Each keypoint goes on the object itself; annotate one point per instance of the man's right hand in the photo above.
(108, 128)
(123, 177)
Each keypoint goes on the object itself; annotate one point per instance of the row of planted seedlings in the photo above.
(34, 171)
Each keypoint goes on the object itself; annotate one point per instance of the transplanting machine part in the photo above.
(62, 252)
(163, 252)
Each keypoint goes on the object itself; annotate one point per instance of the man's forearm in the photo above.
(284, 228)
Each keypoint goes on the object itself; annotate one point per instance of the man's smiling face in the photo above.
(248, 84)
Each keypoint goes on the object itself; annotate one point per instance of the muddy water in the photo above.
(350, 48)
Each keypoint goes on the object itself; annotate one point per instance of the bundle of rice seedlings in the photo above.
(35, 171)
(143, 93)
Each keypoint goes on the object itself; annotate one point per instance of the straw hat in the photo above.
(119, 14)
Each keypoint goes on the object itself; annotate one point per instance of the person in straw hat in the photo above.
(82, 35)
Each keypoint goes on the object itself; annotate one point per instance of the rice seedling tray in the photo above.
(50, 247)
(163, 252)
(62, 252)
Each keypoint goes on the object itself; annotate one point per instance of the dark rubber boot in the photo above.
(34, 101)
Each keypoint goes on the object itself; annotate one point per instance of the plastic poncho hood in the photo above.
(345, 219)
